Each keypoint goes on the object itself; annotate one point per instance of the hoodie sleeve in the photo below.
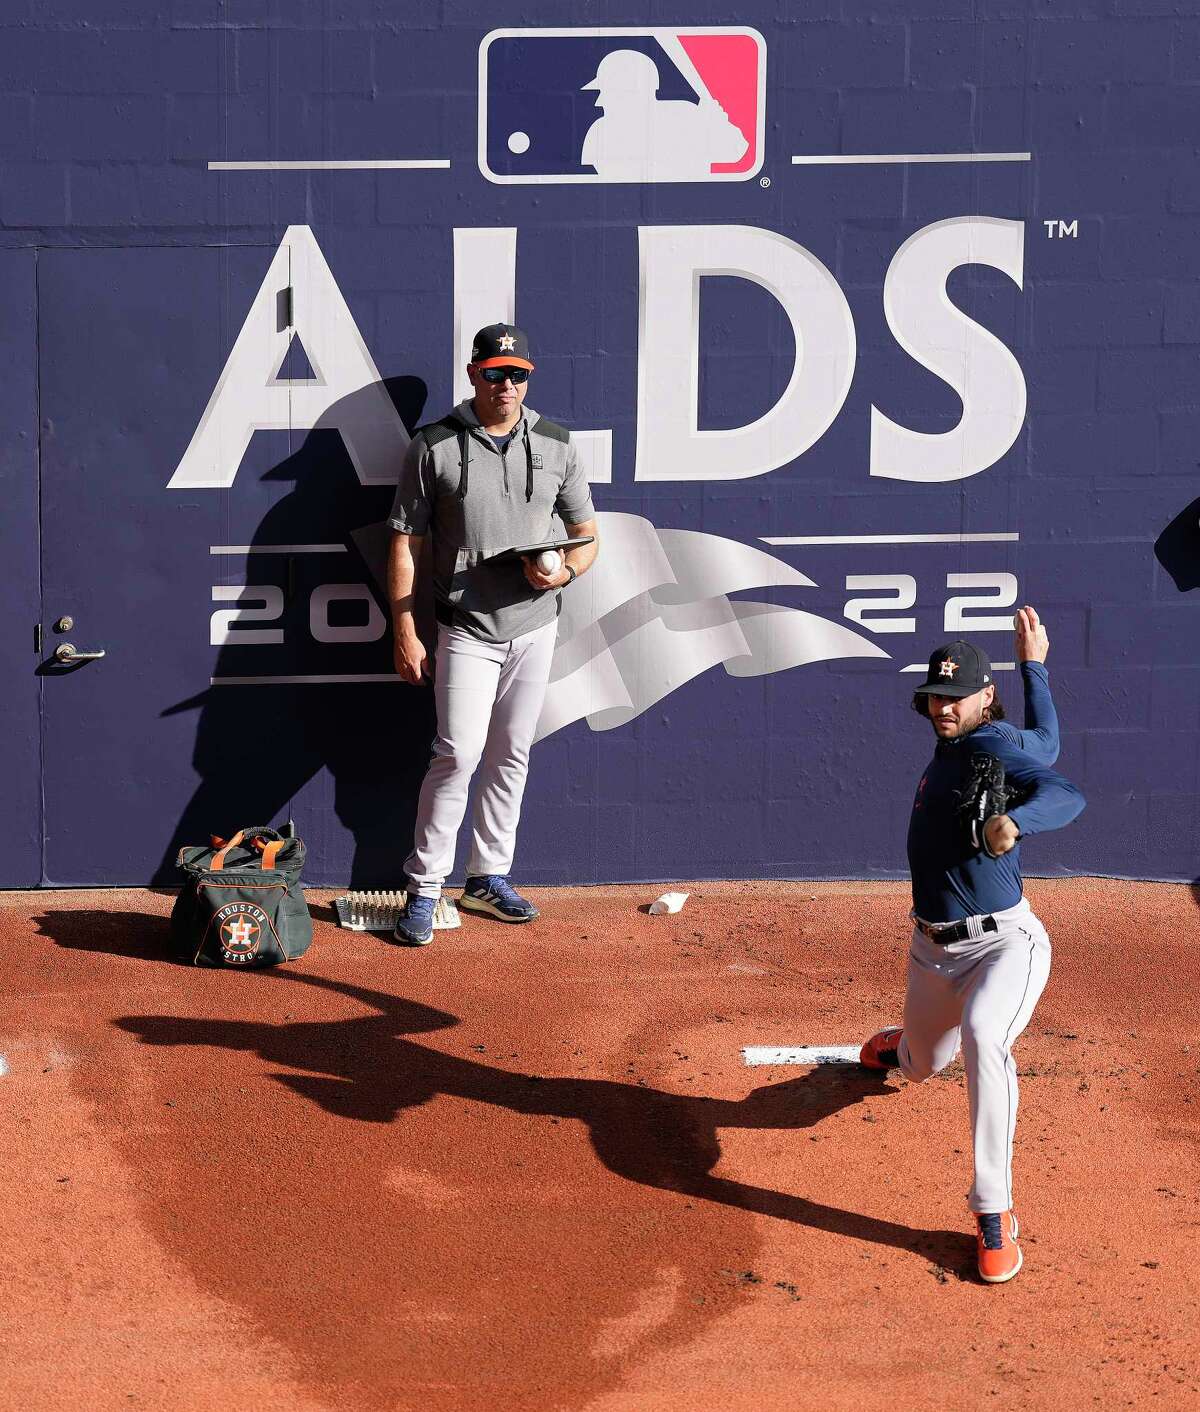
(574, 502)
(412, 509)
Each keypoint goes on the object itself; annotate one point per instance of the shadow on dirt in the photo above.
(364, 1070)
(323, 912)
(141, 935)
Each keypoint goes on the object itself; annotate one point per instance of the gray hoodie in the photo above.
(495, 501)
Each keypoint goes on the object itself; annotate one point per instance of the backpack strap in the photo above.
(464, 461)
(441, 430)
(551, 430)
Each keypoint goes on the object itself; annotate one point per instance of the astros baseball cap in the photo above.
(500, 346)
(956, 669)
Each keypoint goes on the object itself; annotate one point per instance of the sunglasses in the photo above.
(497, 375)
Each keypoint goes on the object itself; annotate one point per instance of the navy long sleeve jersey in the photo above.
(950, 880)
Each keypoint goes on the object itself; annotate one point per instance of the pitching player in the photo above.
(979, 957)
(491, 476)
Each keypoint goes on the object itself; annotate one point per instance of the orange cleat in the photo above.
(999, 1254)
(879, 1052)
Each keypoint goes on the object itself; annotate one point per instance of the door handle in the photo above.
(66, 654)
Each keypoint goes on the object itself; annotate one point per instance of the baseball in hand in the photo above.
(549, 561)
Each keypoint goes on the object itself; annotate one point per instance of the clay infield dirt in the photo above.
(528, 1168)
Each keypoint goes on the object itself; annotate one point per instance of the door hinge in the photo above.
(37, 638)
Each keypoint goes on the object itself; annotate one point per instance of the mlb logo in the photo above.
(654, 104)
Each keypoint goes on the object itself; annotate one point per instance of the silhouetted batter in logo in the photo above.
(643, 138)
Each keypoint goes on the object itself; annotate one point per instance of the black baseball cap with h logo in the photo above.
(501, 346)
(956, 669)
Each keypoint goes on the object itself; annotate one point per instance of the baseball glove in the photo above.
(985, 793)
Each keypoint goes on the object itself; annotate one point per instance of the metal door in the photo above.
(131, 343)
(21, 814)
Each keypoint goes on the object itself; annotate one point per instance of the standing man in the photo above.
(979, 957)
(491, 476)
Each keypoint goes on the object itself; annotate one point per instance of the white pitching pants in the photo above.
(489, 696)
(978, 994)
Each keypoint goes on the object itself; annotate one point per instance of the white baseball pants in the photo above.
(980, 994)
(489, 696)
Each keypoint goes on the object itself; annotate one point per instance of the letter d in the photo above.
(674, 259)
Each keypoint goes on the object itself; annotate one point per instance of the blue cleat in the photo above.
(496, 897)
(414, 926)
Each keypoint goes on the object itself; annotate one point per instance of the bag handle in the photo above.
(218, 861)
(270, 850)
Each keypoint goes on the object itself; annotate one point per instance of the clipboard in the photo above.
(520, 551)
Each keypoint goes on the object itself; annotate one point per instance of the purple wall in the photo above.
(720, 707)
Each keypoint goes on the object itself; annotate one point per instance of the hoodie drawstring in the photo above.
(464, 460)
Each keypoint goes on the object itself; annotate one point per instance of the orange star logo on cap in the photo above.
(507, 343)
(947, 668)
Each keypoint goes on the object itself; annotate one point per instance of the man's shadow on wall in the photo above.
(363, 1069)
(1177, 548)
(257, 746)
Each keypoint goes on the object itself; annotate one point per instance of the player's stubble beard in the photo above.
(964, 728)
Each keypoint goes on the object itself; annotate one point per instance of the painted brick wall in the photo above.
(111, 110)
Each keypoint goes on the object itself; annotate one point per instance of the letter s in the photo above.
(961, 352)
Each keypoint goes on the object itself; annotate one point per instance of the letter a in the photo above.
(346, 393)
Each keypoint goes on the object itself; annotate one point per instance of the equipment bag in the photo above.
(241, 903)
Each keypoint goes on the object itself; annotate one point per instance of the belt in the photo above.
(953, 931)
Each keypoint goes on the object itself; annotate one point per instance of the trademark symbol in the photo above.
(764, 182)
(1061, 230)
